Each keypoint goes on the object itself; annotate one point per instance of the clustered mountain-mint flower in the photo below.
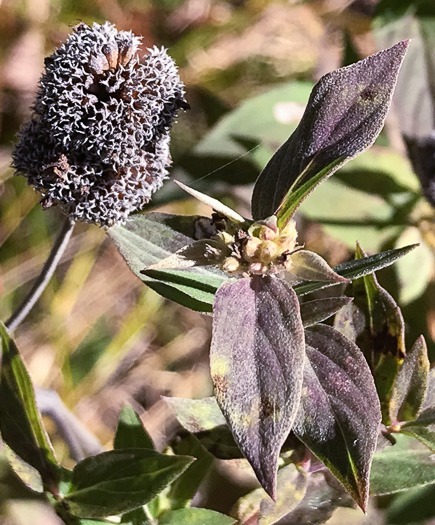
(98, 140)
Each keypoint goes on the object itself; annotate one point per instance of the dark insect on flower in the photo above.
(98, 141)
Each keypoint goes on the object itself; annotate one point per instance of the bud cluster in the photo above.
(261, 249)
(98, 140)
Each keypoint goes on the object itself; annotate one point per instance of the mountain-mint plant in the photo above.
(269, 374)
(292, 395)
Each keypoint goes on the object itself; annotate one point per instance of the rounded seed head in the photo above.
(98, 140)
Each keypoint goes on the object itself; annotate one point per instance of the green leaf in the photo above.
(20, 421)
(358, 268)
(382, 337)
(136, 517)
(194, 516)
(422, 428)
(185, 487)
(317, 310)
(291, 488)
(344, 115)
(130, 432)
(339, 413)
(404, 466)
(27, 474)
(411, 384)
(295, 196)
(118, 481)
(412, 506)
(256, 359)
(147, 239)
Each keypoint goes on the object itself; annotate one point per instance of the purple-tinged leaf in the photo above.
(339, 414)
(317, 310)
(309, 266)
(410, 386)
(344, 115)
(257, 360)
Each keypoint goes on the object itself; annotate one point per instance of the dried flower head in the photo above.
(98, 140)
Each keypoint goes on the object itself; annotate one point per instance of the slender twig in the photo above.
(80, 442)
(44, 277)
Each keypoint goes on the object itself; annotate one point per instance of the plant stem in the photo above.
(44, 277)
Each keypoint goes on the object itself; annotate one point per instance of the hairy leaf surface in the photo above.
(344, 115)
(339, 414)
(411, 384)
(148, 239)
(257, 357)
(118, 481)
(403, 466)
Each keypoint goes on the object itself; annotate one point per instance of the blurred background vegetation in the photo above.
(101, 339)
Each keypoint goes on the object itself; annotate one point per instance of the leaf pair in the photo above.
(270, 378)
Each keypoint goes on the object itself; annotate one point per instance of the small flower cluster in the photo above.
(98, 140)
(261, 249)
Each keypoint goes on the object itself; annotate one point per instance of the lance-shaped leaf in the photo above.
(118, 481)
(358, 268)
(309, 266)
(317, 310)
(339, 414)
(148, 239)
(382, 338)
(257, 359)
(344, 115)
(20, 421)
(411, 384)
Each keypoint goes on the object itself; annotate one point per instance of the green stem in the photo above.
(44, 277)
